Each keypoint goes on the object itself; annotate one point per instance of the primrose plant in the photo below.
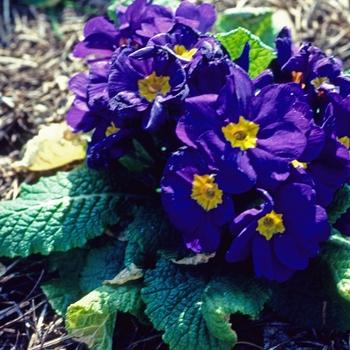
(216, 180)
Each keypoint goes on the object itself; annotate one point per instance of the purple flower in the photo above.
(200, 17)
(201, 55)
(195, 199)
(313, 70)
(101, 39)
(327, 173)
(142, 19)
(144, 84)
(211, 65)
(108, 145)
(282, 235)
(317, 74)
(91, 97)
(284, 46)
(325, 164)
(182, 40)
(258, 134)
(90, 112)
(341, 110)
(310, 67)
(139, 22)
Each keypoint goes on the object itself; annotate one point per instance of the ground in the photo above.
(35, 65)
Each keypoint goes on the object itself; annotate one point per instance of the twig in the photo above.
(255, 346)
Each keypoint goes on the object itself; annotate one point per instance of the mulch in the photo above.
(35, 65)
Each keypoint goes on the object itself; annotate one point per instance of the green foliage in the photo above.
(146, 234)
(81, 271)
(232, 294)
(138, 160)
(257, 20)
(61, 293)
(337, 255)
(58, 213)
(68, 264)
(322, 292)
(102, 264)
(192, 309)
(41, 3)
(260, 54)
(92, 318)
(340, 205)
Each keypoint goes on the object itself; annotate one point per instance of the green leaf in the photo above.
(102, 264)
(233, 294)
(260, 54)
(41, 3)
(336, 254)
(257, 20)
(61, 293)
(138, 160)
(58, 213)
(91, 320)
(146, 234)
(322, 292)
(68, 264)
(87, 268)
(340, 204)
(193, 310)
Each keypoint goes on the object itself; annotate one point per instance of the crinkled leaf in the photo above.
(257, 20)
(232, 294)
(146, 234)
(91, 320)
(192, 309)
(58, 213)
(340, 205)
(81, 271)
(260, 54)
(337, 254)
(321, 292)
(174, 301)
(61, 293)
(102, 264)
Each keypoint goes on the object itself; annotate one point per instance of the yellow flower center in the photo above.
(297, 77)
(242, 134)
(317, 82)
(345, 141)
(206, 192)
(112, 129)
(153, 85)
(297, 164)
(181, 50)
(271, 224)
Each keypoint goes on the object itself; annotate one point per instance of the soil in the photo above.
(35, 65)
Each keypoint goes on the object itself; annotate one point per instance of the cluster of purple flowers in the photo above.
(256, 161)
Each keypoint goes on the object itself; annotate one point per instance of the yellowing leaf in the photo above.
(130, 273)
(195, 259)
(53, 147)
